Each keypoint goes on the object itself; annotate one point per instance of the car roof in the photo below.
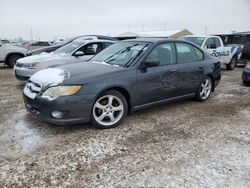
(154, 40)
(86, 41)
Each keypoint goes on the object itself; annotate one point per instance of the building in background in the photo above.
(173, 33)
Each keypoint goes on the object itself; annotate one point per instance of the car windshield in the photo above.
(69, 48)
(122, 53)
(196, 40)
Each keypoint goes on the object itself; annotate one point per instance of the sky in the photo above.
(54, 19)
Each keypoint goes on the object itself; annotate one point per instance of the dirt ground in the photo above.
(183, 144)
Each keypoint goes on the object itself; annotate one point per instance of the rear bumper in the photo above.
(76, 108)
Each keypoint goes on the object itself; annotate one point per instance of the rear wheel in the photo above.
(109, 110)
(205, 89)
(232, 63)
(11, 61)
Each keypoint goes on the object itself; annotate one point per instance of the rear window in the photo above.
(187, 53)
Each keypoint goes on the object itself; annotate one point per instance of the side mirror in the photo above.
(212, 46)
(79, 53)
(151, 63)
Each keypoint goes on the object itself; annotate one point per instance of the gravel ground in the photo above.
(183, 144)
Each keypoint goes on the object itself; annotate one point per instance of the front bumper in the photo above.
(76, 108)
(246, 75)
(23, 74)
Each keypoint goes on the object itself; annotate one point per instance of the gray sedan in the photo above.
(81, 49)
(123, 78)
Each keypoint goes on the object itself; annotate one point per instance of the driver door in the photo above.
(216, 51)
(159, 82)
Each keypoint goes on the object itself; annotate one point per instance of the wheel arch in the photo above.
(121, 90)
(13, 53)
(213, 81)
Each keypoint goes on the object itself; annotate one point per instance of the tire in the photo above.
(205, 89)
(11, 60)
(106, 114)
(246, 83)
(232, 63)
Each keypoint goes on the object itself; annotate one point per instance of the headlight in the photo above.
(54, 92)
(32, 65)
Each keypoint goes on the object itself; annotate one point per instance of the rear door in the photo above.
(158, 83)
(191, 68)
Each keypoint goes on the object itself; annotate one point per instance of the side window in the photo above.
(199, 54)
(209, 42)
(163, 53)
(91, 49)
(187, 53)
(217, 42)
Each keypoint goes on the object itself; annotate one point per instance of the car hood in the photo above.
(15, 48)
(89, 71)
(45, 57)
(44, 49)
(77, 73)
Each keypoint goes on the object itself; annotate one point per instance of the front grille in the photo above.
(32, 89)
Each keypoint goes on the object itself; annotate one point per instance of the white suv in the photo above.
(10, 54)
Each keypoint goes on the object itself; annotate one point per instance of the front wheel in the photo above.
(232, 63)
(109, 110)
(205, 89)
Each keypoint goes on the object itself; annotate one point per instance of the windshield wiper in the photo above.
(108, 60)
(137, 55)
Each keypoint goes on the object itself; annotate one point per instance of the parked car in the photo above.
(39, 43)
(246, 52)
(228, 55)
(81, 49)
(63, 43)
(246, 74)
(10, 54)
(128, 76)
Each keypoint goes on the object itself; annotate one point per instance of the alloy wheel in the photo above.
(206, 88)
(108, 110)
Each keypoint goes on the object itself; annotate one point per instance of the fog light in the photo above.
(57, 114)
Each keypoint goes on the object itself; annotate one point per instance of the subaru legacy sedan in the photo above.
(125, 77)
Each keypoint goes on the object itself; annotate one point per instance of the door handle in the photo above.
(200, 67)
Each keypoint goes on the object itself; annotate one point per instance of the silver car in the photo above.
(81, 49)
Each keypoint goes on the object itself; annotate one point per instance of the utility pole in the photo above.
(142, 27)
(31, 34)
(205, 30)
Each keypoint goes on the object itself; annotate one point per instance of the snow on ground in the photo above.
(184, 144)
